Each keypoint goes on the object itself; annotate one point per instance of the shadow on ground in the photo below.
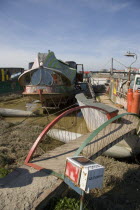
(22, 177)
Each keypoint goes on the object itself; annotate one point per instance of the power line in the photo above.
(119, 62)
(109, 61)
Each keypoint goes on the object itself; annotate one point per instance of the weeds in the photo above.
(65, 204)
(3, 172)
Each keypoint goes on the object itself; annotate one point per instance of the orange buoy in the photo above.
(129, 99)
(136, 102)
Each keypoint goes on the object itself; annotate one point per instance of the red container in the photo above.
(129, 99)
(136, 102)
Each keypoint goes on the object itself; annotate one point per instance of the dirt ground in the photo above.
(15, 141)
(18, 134)
(121, 188)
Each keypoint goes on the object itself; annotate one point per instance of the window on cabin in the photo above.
(46, 78)
(41, 77)
(36, 77)
(60, 79)
(138, 81)
(57, 79)
(27, 79)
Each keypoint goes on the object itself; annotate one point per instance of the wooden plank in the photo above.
(55, 160)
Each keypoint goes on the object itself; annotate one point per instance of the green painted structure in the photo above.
(10, 87)
(9, 80)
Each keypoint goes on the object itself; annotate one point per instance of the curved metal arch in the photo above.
(84, 144)
(94, 133)
(50, 125)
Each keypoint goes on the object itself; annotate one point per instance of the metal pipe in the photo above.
(82, 200)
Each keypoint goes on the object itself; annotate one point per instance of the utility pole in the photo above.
(134, 55)
(111, 72)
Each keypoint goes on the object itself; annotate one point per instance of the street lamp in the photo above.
(129, 54)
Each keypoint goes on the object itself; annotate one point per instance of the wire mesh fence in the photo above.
(122, 130)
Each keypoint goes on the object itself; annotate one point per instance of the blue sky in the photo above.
(86, 31)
